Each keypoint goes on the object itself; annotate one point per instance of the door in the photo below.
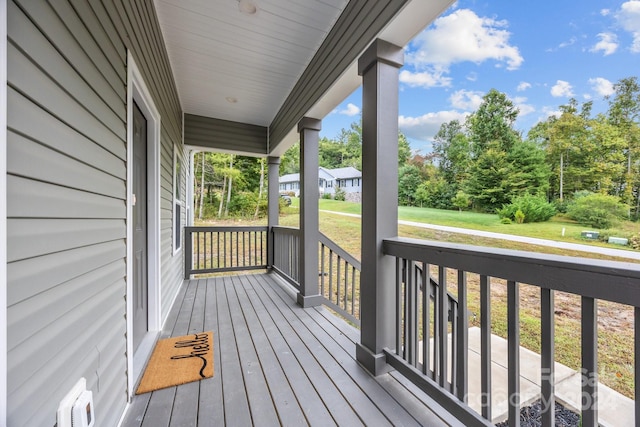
(140, 289)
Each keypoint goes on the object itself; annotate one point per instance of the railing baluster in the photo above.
(547, 357)
(424, 274)
(462, 368)
(436, 330)
(399, 268)
(346, 284)
(338, 262)
(411, 319)
(485, 345)
(353, 291)
(322, 269)
(589, 362)
(444, 312)
(513, 342)
(636, 369)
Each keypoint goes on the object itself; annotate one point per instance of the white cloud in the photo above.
(629, 17)
(562, 88)
(608, 44)
(466, 100)
(549, 112)
(351, 110)
(472, 76)
(601, 86)
(605, 12)
(521, 103)
(587, 96)
(425, 127)
(464, 36)
(523, 86)
(424, 79)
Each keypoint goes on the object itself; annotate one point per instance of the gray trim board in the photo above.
(207, 132)
(358, 24)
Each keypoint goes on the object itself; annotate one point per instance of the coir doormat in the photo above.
(178, 361)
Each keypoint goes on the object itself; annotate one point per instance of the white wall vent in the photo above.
(76, 408)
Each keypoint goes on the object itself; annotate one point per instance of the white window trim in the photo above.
(176, 201)
(137, 91)
(3, 212)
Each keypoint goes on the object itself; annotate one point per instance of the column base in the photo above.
(309, 301)
(374, 363)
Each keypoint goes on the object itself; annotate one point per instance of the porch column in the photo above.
(273, 202)
(309, 130)
(378, 67)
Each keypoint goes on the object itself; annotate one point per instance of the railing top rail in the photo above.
(341, 252)
(286, 230)
(606, 280)
(225, 228)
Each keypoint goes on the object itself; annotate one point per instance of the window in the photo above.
(177, 200)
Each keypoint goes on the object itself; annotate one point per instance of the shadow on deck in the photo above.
(276, 364)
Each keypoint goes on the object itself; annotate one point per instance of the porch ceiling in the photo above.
(243, 67)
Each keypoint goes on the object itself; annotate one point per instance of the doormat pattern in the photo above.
(179, 360)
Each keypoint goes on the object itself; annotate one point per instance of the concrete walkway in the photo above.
(635, 255)
(614, 409)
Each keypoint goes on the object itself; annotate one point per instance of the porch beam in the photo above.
(309, 130)
(273, 203)
(378, 67)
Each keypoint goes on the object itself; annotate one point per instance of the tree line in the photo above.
(482, 163)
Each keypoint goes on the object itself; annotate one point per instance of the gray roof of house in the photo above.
(339, 173)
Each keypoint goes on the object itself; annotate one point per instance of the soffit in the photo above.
(219, 54)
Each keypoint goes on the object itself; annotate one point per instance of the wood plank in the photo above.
(285, 401)
(312, 405)
(260, 402)
(234, 395)
(211, 408)
(367, 397)
(327, 376)
(185, 405)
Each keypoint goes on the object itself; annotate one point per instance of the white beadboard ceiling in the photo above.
(218, 53)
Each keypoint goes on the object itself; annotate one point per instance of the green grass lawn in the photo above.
(552, 230)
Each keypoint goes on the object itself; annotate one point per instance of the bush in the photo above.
(505, 221)
(326, 195)
(340, 194)
(597, 210)
(461, 200)
(519, 216)
(244, 204)
(534, 209)
(634, 241)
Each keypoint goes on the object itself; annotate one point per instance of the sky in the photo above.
(540, 54)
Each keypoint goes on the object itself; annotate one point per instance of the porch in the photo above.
(276, 363)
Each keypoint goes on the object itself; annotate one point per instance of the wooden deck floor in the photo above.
(276, 364)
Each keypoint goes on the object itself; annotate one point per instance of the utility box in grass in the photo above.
(619, 241)
(590, 235)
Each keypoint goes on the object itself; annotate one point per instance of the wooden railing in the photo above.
(286, 253)
(340, 280)
(220, 249)
(432, 353)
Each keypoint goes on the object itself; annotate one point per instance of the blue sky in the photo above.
(539, 53)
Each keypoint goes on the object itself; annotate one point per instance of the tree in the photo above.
(408, 182)
(452, 150)
(529, 170)
(489, 176)
(493, 122)
(461, 200)
(624, 113)
(404, 150)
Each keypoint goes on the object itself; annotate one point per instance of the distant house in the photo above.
(348, 179)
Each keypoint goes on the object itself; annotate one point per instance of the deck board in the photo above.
(275, 364)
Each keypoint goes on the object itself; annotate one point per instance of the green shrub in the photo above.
(505, 220)
(597, 210)
(340, 194)
(326, 195)
(534, 208)
(519, 216)
(461, 200)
